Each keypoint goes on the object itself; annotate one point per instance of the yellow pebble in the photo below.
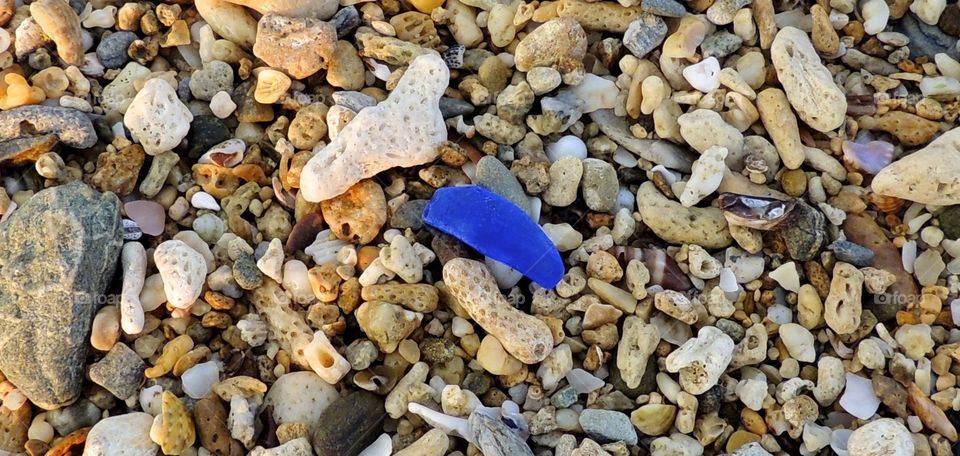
(426, 6)
(171, 353)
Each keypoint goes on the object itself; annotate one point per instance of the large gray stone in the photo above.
(59, 252)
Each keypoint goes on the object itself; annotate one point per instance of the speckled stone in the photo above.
(120, 372)
(246, 273)
(112, 50)
(848, 252)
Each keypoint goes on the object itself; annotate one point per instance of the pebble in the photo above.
(646, 33)
(915, 178)
(214, 77)
(607, 426)
(494, 176)
(787, 277)
(523, 336)
(854, 254)
(183, 271)
(157, 118)
(112, 50)
(71, 127)
(386, 324)
(350, 425)
(707, 173)
(883, 436)
(127, 434)
(599, 185)
(300, 397)
(198, 380)
(358, 214)
(529, 251)
(875, 13)
(354, 154)
(799, 342)
(808, 84)
(173, 429)
(722, 12)
(671, 221)
(120, 372)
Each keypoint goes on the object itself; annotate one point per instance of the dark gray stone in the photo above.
(409, 215)
(206, 132)
(950, 222)
(73, 128)
(112, 50)
(453, 107)
(720, 44)
(349, 425)
(120, 372)
(804, 233)
(855, 254)
(607, 426)
(926, 40)
(246, 273)
(565, 397)
(346, 21)
(80, 414)
(59, 253)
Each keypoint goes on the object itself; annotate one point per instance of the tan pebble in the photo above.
(172, 351)
(494, 359)
(416, 297)
(173, 429)
(60, 22)
(106, 328)
(843, 305)
(358, 214)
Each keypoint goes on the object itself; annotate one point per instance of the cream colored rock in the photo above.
(808, 84)
(781, 124)
(157, 119)
(495, 360)
(674, 223)
(119, 93)
(286, 326)
(703, 129)
(843, 305)
(271, 263)
(60, 22)
(555, 367)
(881, 437)
(701, 360)
(121, 435)
(930, 175)
(183, 271)
(799, 342)
(404, 130)
(230, 21)
(433, 443)
(638, 342)
(708, 171)
(319, 9)
(524, 336)
(133, 261)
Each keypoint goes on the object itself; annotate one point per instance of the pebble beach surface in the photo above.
(479, 227)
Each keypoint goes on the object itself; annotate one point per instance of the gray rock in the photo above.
(927, 40)
(645, 34)
(112, 50)
(599, 185)
(543, 79)
(564, 397)
(409, 215)
(496, 438)
(494, 176)
(346, 21)
(453, 107)
(75, 416)
(855, 254)
(214, 77)
(355, 101)
(73, 128)
(607, 426)
(60, 252)
(666, 8)
(246, 273)
(720, 44)
(120, 371)
(349, 425)
(515, 101)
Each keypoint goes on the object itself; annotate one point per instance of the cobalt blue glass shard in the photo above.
(497, 228)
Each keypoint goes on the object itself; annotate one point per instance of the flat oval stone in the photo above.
(349, 425)
(497, 228)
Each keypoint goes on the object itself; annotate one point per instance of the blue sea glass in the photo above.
(497, 228)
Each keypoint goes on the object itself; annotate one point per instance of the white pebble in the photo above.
(204, 200)
(103, 18)
(909, 255)
(198, 380)
(383, 446)
(150, 399)
(461, 327)
(928, 11)
(506, 276)
(222, 105)
(583, 381)
(567, 146)
(704, 76)
(786, 275)
(875, 13)
(4, 40)
(595, 92)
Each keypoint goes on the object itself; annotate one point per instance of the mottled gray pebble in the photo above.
(644, 34)
(112, 50)
(215, 76)
(453, 107)
(245, 272)
(346, 21)
(355, 101)
(74, 416)
(607, 426)
(666, 8)
(492, 174)
(409, 215)
(720, 44)
(564, 397)
(120, 372)
(599, 185)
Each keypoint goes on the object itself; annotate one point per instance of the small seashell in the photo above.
(870, 157)
(453, 56)
(227, 154)
(754, 212)
(271, 85)
(886, 204)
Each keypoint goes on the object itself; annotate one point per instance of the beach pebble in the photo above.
(799, 342)
(608, 426)
(671, 221)
(703, 76)
(883, 436)
(917, 178)
(707, 173)
(300, 397)
(875, 13)
(157, 118)
(599, 185)
(560, 44)
(859, 398)
(644, 34)
(127, 434)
